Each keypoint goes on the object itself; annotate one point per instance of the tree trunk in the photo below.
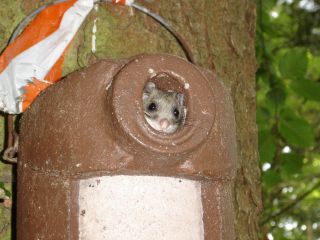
(309, 230)
(221, 35)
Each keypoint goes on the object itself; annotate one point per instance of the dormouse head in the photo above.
(163, 110)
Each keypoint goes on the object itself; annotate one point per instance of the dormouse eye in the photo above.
(176, 113)
(152, 107)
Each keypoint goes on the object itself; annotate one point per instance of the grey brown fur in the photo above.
(169, 113)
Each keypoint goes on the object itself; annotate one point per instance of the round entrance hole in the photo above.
(168, 73)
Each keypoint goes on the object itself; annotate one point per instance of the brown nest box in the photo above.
(91, 125)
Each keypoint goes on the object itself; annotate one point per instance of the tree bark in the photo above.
(309, 230)
(222, 37)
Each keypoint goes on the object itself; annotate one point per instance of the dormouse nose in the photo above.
(164, 124)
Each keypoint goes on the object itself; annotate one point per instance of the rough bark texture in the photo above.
(221, 35)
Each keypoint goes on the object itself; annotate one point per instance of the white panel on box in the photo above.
(140, 208)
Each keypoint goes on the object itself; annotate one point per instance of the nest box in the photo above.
(90, 166)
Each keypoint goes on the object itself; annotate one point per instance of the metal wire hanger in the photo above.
(10, 154)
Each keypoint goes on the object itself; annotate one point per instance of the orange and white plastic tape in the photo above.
(34, 60)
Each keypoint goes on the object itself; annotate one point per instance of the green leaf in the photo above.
(271, 178)
(294, 64)
(267, 146)
(296, 131)
(307, 89)
(313, 66)
(291, 163)
(263, 115)
(277, 95)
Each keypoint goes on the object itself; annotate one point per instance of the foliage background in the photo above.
(221, 35)
(288, 117)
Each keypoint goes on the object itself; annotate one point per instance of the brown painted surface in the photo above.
(218, 216)
(43, 206)
(221, 35)
(92, 124)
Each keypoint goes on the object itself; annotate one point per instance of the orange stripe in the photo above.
(32, 90)
(121, 2)
(46, 22)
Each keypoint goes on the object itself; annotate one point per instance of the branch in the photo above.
(291, 205)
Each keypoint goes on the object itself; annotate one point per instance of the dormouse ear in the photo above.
(150, 86)
(180, 98)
